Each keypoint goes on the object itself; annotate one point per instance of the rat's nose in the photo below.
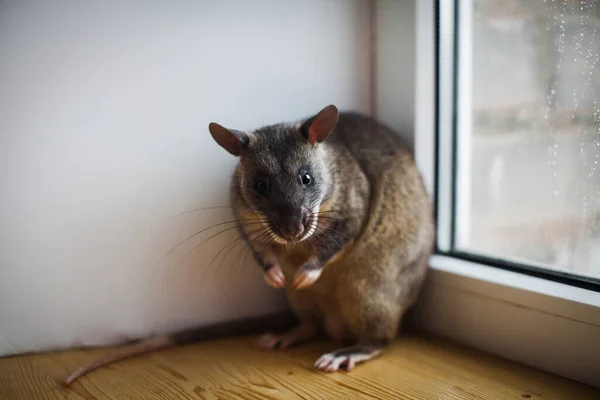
(293, 228)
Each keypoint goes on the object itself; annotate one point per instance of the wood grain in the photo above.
(415, 367)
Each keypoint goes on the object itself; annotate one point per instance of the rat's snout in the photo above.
(292, 224)
(292, 227)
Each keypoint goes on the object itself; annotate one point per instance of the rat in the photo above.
(334, 209)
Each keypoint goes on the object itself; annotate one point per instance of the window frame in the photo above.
(479, 300)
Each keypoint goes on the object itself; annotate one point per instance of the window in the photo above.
(510, 158)
(519, 136)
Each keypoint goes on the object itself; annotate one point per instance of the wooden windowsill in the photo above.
(415, 367)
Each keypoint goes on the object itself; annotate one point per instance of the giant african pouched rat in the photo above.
(334, 208)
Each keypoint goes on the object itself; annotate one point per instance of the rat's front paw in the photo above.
(306, 276)
(274, 277)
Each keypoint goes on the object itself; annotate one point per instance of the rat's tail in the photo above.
(272, 322)
(139, 348)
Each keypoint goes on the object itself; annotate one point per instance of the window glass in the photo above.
(531, 192)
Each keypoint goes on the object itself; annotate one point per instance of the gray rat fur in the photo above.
(361, 257)
(351, 242)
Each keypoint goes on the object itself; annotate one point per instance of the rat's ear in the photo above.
(231, 140)
(318, 128)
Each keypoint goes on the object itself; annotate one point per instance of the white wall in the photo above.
(104, 108)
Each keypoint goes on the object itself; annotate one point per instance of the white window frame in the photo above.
(540, 322)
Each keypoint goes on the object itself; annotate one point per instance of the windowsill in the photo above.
(545, 324)
(515, 280)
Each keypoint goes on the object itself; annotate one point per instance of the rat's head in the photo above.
(283, 172)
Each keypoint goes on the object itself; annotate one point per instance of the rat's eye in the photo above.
(305, 178)
(261, 186)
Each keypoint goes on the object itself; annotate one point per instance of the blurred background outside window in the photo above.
(534, 175)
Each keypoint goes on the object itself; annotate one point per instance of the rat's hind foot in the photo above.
(348, 357)
(299, 334)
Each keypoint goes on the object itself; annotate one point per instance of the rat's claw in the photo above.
(332, 363)
(301, 333)
(306, 276)
(348, 357)
(274, 277)
(268, 341)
